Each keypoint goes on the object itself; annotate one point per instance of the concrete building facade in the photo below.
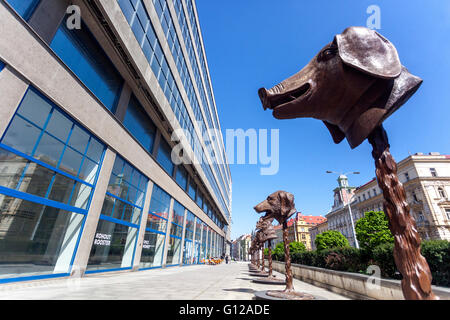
(241, 248)
(426, 179)
(109, 157)
(299, 228)
(315, 230)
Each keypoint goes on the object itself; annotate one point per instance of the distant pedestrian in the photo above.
(226, 259)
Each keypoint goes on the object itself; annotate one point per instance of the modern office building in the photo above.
(108, 160)
(426, 179)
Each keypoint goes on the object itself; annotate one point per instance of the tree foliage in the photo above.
(331, 239)
(373, 230)
(294, 247)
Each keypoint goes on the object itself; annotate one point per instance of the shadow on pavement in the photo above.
(248, 290)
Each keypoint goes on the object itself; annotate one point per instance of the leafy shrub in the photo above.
(294, 248)
(383, 256)
(437, 253)
(331, 239)
(372, 230)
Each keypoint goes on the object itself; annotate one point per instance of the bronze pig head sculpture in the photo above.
(353, 84)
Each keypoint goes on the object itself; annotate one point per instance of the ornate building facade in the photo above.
(426, 179)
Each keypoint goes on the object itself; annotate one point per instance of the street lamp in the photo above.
(349, 207)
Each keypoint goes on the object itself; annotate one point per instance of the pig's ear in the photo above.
(336, 133)
(368, 51)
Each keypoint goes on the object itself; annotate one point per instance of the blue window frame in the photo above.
(117, 232)
(164, 156)
(139, 124)
(24, 8)
(50, 165)
(81, 52)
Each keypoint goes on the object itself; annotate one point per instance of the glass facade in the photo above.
(49, 167)
(24, 8)
(80, 51)
(116, 236)
(139, 21)
(50, 163)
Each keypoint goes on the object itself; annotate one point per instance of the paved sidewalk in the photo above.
(201, 282)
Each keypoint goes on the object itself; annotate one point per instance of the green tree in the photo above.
(331, 239)
(294, 247)
(373, 230)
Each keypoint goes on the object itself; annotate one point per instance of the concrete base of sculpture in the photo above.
(280, 295)
(259, 274)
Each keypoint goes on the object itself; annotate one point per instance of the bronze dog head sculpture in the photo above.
(279, 205)
(267, 229)
(353, 84)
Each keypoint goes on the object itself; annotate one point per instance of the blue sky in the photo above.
(252, 44)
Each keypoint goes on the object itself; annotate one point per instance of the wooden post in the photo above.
(416, 282)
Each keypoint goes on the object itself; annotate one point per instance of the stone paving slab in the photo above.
(200, 282)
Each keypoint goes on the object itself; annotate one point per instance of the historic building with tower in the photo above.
(426, 179)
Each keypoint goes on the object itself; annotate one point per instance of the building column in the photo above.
(122, 104)
(12, 90)
(47, 17)
(183, 233)
(166, 241)
(92, 218)
(145, 209)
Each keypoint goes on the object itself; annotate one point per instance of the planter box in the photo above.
(353, 285)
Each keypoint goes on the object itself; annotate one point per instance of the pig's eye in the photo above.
(327, 54)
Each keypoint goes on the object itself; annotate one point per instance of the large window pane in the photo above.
(21, 135)
(24, 8)
(113, 246)
(49, 150)
(36, 239)
(36, 180)
(152, 250)
(139, 124)
(34, 108)
(12, 167)
(164, 157)
(173, 251)
(160, 202)
(84, 56)
(156, 223)
(181, 177)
